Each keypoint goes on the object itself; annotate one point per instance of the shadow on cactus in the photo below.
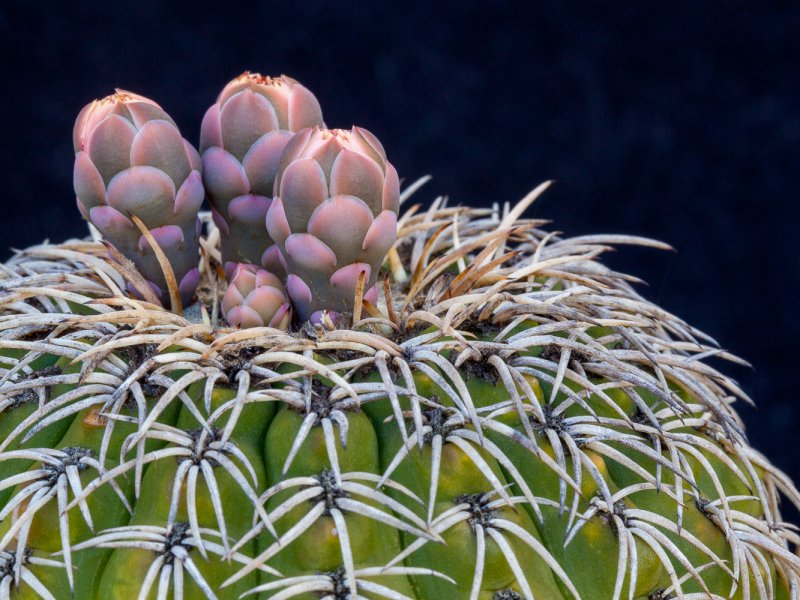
(315, 395)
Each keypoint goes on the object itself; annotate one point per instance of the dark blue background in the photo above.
(677, 120)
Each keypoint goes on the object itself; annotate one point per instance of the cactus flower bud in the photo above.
(334, 216)
(255, 298)
(130, 159)
(241, 140)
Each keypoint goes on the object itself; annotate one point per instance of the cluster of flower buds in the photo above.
(131, 161)
(306, 214)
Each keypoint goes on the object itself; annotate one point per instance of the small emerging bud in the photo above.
(255, 298)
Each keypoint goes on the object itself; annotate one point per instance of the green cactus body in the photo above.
(510, 420)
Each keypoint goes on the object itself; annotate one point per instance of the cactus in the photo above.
(510, 420)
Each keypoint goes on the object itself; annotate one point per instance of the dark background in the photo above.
(677, 120)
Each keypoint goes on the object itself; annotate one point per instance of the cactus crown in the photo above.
(597, 404)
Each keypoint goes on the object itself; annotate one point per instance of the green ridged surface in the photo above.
(265, 433)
